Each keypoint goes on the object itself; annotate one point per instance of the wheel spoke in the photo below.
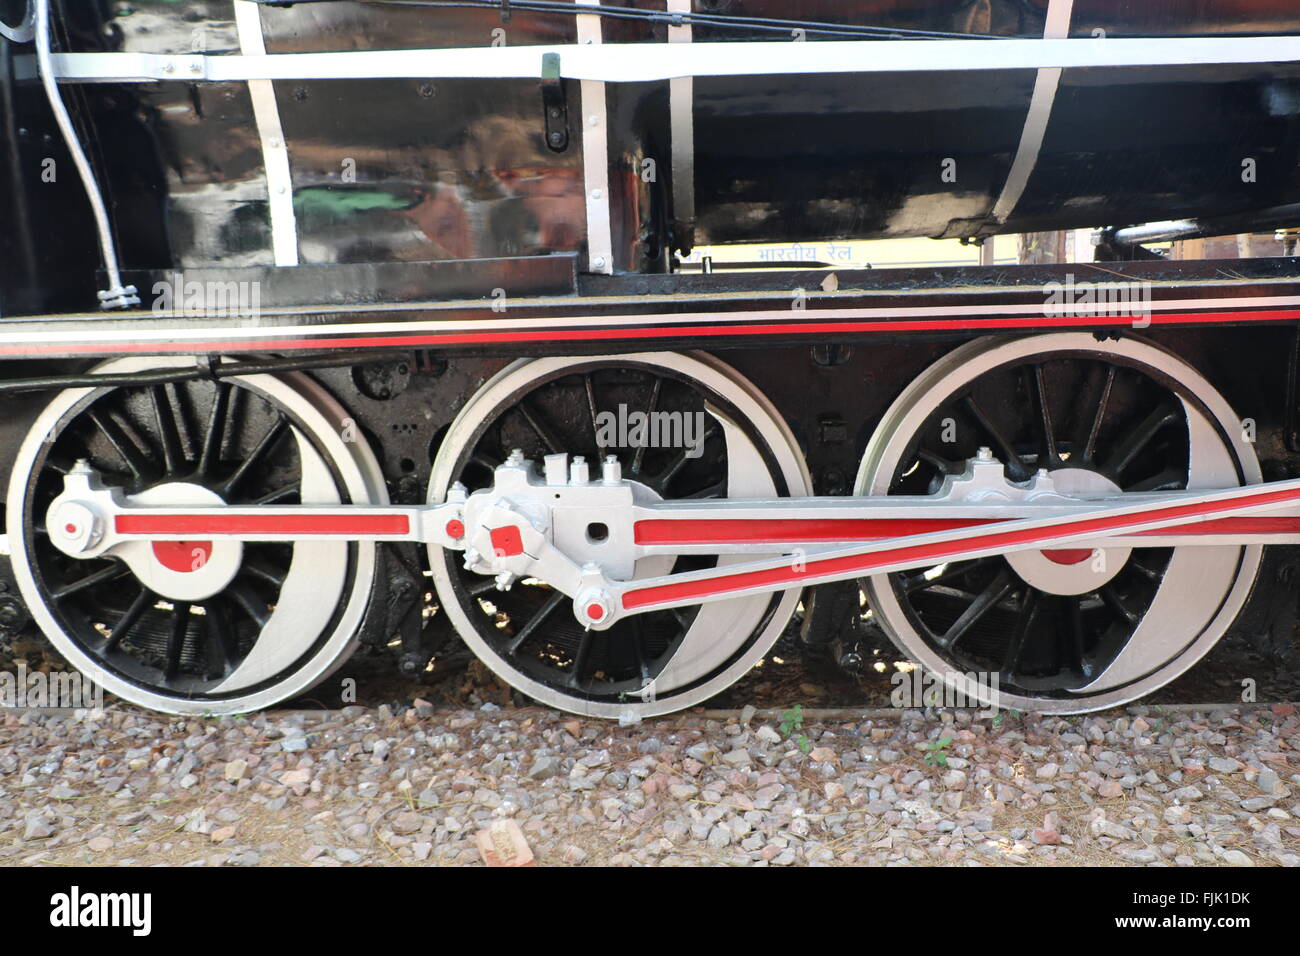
(1024, 622)
(280, 494)
(1087, 442)
(267, 442)
(128, 620)
(919, 582)
(480, 586)
(168, 436)
(683, 616)
(1019, 470)
(486, 462)
(987, 599)
(130, 453)
(184, 430)
(1138, 438)
(1045, 416)
(111, 573)
(176, 640)
(580, 659)
(591, 406)
(1116, 604)
(681, 458)
(639, 455)
(58, 464)
(539, 617)
(219, 647)
(1170, 479)
(717, 489)
(945, 466)
(1151, 574)
(213, 440)
(553, 444)
(264, 572)
(638, 649)
(253, 606)
(1077, 637)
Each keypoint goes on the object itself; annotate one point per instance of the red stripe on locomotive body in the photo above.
(784, 530)
(938, 550)
(650, 331)
(263, 524)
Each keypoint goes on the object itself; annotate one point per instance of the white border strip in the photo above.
(1040, 112)
(275, 152)
(681, 112)
(595, 151)
(647, 62)
(187, 333)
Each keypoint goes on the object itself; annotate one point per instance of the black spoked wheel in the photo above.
(1065, 627)
(652, 416)
(531, 624)
(197, 625)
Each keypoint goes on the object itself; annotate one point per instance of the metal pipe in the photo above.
(116, 295)
(1155, 232)
(1274, 217)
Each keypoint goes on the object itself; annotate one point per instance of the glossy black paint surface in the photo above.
(412, 171)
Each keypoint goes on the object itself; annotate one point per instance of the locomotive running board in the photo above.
(652, 62)
(505, 533)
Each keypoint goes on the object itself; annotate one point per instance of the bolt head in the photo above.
(79, 528)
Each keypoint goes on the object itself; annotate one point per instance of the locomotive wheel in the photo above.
(651, 663)
(236, 627)
(1065, 632)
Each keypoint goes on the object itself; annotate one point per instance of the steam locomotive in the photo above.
(333, 322)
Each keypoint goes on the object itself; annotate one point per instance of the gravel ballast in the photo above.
(414, 787)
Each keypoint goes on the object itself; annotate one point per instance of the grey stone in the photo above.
(544, 768)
